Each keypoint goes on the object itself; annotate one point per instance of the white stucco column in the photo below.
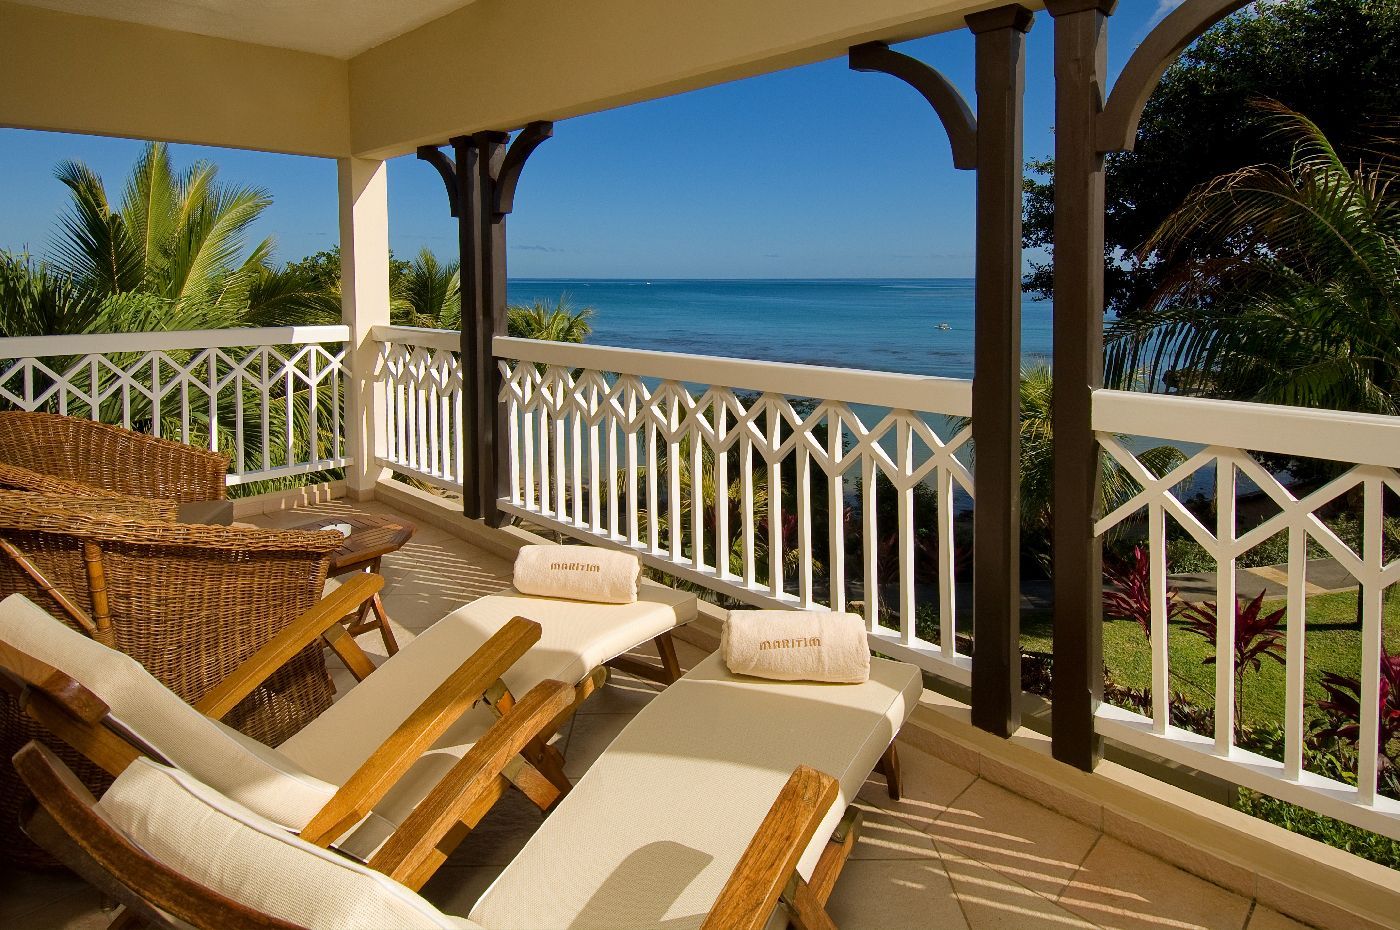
(364, 288)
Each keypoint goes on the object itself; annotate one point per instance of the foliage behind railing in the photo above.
(272, 399)
(1238, 462)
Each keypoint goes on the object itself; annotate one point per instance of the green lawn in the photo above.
(1333, 645)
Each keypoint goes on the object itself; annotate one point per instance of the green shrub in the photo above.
(1186, 555)
(1300, 820)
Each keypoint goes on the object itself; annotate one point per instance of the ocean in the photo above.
(914, 325)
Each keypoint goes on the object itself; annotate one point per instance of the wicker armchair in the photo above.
(95, 500)
(188, 602)
(115, 460)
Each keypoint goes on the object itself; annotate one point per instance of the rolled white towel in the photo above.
(580, 573)
(791, 645)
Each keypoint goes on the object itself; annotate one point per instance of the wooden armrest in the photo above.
(20, 671)
(69, 710)
(474, 775)
(293, 638)
(387, 764)
(767, 870)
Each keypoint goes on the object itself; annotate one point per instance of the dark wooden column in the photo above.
(1080, 80)
(990, 143)
(996, 392)
(481, 180)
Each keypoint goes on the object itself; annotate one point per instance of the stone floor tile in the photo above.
(992, 901)
(591, 734)
(930, 785)
(623, 694)
(501, 834)
(689, 654)
(455, 888)
(23, 891)
(80, 908)
(895, 894)
(1121, 888)
(1033, 845)
(560, 740)
(885, 836)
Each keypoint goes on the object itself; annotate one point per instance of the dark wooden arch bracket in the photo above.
(446, 168)
(519, 152)
(950, 105)
(1117, 125)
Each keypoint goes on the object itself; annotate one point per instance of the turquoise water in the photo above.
(879, 324)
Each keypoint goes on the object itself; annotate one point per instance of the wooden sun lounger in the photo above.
(678, 818)
(351, 776)
(68, 823)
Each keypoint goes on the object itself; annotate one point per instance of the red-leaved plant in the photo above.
(1129, 592)
(1257, 636)
(1343, 709)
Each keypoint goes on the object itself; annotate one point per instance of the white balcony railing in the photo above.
(1226, 433)
(792, 486)
(272, 398)
(634, 450)
(711, 469)
(421, 376)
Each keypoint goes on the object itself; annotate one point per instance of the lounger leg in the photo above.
(548, 762)
(532, 780)
(667, 672)
(805, 911)
(381, 617)
(888, 766)
(834, 855)
(666, 649)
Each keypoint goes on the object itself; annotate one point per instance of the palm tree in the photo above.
(172, 253)
(558, 323)
(177, 238)
(1305, 310)
(427, 293)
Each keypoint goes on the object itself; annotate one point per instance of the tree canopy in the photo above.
(1334, 61)
(1302, 306)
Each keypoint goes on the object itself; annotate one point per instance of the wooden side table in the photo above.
(368, 539)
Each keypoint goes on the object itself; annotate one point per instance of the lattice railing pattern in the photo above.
(422, 387)
(273, 399)
(1233, 475)
(768, 495)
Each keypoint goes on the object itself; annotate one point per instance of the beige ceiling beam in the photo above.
(72, 73)
(497, 64)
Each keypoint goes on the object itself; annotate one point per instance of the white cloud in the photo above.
(1164, 8)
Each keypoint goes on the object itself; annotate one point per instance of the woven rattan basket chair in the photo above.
(95, 500)
(113, 459)
(189, 602)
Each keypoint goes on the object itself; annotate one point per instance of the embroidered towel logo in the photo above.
(574, 567)
(799, 642)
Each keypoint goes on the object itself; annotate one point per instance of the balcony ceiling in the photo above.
(337, 28)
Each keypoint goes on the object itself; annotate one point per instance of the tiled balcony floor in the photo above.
(958, 852)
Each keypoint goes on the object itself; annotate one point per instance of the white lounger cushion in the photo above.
(242, 768)
(661, 819)
(291, 783)
(224, 846)
(576, 637)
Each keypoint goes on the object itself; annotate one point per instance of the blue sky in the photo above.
(812, 172)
